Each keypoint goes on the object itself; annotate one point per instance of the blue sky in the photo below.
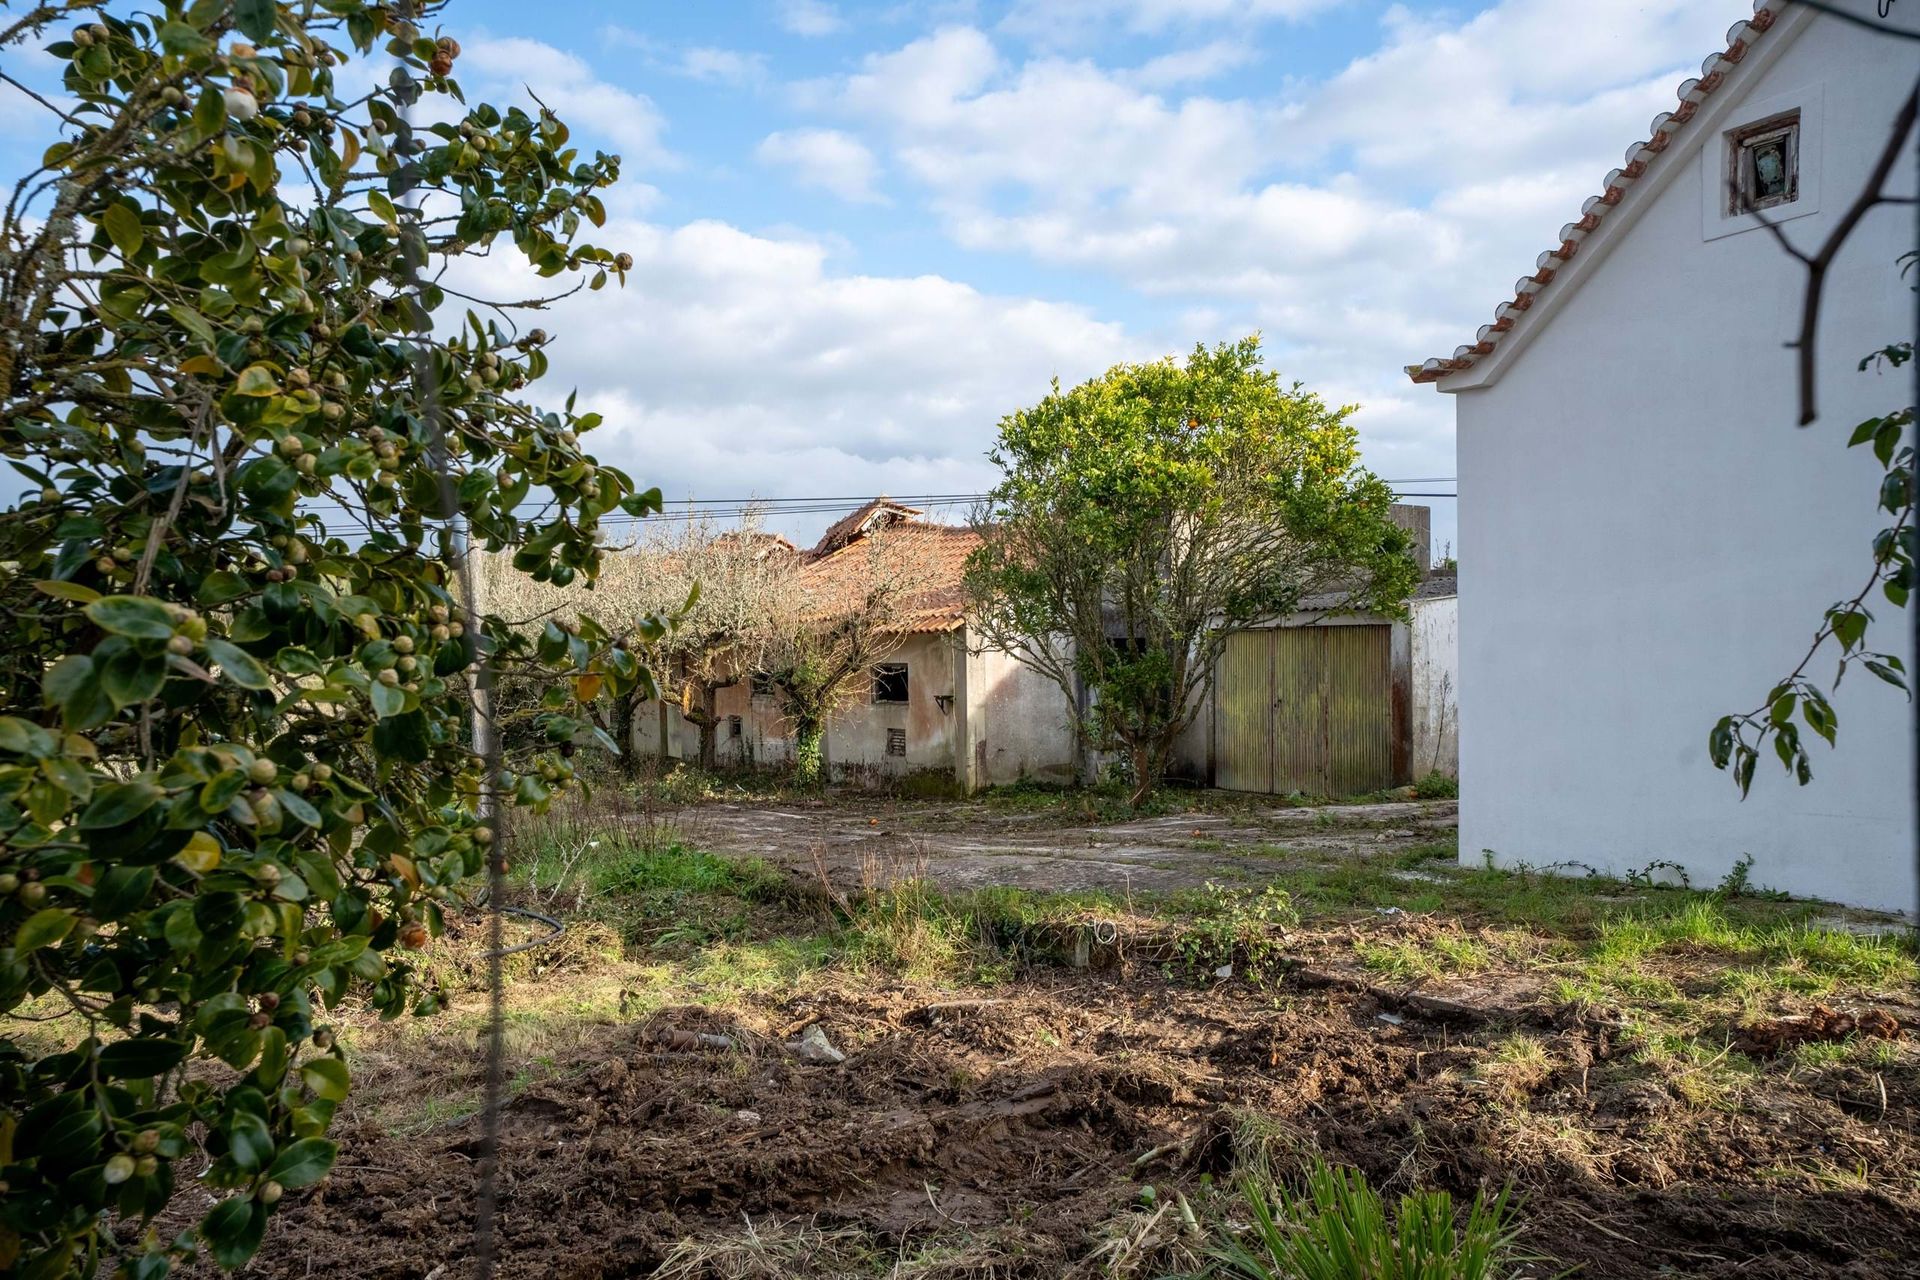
(865, 231)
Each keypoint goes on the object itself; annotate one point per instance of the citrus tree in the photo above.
(1144, 516)
(237, 779)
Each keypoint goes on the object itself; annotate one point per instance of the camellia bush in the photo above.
(238, 781)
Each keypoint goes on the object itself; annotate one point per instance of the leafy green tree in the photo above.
(1144, 516)
(236, 774)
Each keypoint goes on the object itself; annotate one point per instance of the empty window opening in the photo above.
(896, 742)
(733, 726)
(1765, 163)
(890, 682)
(761, 685)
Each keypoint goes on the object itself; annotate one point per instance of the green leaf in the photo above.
(66, 591)
(121, 890)
(119, 803)
(141, 1057)
(237, 664)
(303, 1163)
(387, 700)
(256, 380)
(256, 18)
(130, 676)
(327, 1077)
(123, 228)
(233, 1230)
(249, 1141)
(138, 617)
(221, 586)
(73, 686)
(25, 738)
(44, 928)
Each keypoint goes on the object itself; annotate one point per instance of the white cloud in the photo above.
(810, 17)
(1362, 222)
(502, 69)
(1193, 66)
(735, 363)
(722, 66)
(1065, 21)
(825, 158)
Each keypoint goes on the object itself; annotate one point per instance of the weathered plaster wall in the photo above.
(1650, 540)
(1435, 635)
(856, 738)
(1019, 725)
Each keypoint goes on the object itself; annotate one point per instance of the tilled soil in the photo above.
(1026, 1123)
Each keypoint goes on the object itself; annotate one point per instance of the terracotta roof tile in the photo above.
(935, 554)
(1692, 93)
(849, 527)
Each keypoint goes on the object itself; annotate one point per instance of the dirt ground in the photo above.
(1019, 1132)
(1005, 1116)
(969, 846)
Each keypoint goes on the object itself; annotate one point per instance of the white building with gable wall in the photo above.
(1650, 541)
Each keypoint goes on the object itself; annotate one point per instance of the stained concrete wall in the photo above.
(1651, 539)
(1019, 724)
(1435, 643)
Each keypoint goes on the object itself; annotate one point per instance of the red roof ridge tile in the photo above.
(1692, 93)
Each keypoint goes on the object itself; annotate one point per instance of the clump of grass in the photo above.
(630, 867)
(1338, 1228)
(1518, 1066)
(1437, 786)
(1433, 957)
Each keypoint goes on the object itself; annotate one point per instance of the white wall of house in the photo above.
(1435, 642)
(1651, 541)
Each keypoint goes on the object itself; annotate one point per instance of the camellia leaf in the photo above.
(237, 664)
(134, 1059)
(137, 617)
(67, 591)
(387, 700)
(233, 1230)
(119, 803)
(303, 1163)
(43, 928)
(255, 17)
(123, 228)
(327, 1077)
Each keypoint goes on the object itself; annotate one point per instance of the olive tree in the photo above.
(236, 776)
(1144, 516)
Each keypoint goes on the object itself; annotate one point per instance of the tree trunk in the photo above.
(1144, 773)
(709, 726)
(629, 762)
(808, 760)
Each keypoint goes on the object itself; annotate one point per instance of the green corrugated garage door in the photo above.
(1306, 709)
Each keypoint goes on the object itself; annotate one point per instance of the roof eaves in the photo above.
(1714, 73)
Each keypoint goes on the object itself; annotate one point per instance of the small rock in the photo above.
(1391, 1019)
(746, 1119)
(1224, 971)
(813, 1046)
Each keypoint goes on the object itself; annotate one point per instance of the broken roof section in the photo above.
(1713, 74)
(888, 538)
(879, 513)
